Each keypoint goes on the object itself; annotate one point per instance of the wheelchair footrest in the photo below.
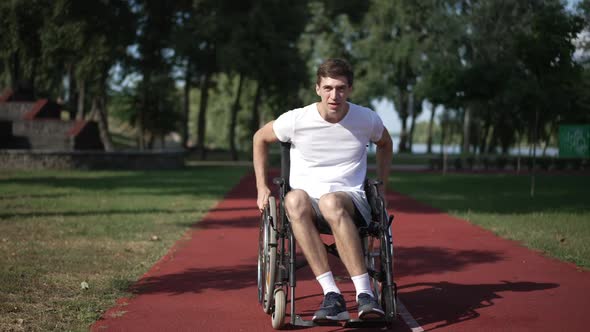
(300, 322)
(353, 323)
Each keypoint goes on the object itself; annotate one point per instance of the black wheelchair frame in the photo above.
(277, 264)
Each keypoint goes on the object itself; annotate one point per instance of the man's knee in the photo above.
(335, 206)
(297, 204)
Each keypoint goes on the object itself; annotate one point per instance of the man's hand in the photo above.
(263, 195)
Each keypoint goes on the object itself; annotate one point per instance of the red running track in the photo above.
(452, 276)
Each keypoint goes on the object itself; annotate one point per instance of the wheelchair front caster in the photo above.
(278, 315)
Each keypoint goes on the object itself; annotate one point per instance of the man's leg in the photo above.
(301, 216)
(338, 210)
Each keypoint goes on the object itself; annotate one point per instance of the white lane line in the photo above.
(407, 317)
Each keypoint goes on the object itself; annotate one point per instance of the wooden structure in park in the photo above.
(37, 125)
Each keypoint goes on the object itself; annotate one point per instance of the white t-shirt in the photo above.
(328, 157)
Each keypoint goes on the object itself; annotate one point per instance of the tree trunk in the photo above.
(15, 71)
(71, 100)
(186, 105)
(403, 136)
(494, 142)
(402, 110)
(233, 120)
(484, 137)
(103, 125)
(255, 120)
(144, 106)
(547, 137)
(415, 107)
(150, 141)
(466, 130)
(430, 127)
(140, 133)
(443, 133)
(202, 118)
(81, 97)
(32, 79)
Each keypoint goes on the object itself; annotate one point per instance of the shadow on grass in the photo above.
(97, 213)
(445, 303)
(191, 181)
(34, 196)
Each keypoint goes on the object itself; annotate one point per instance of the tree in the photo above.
(392, 53)
(264, 52)
(195, 37)
(154, 64)
(546, 53)
(22, 22)
(87, 40)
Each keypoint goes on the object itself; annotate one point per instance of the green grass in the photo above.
(556, 221)
(123, 142)
(59, 229)
(406, 159)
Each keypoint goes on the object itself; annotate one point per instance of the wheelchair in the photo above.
(277, 263)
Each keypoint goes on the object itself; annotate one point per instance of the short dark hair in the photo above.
(333, 68)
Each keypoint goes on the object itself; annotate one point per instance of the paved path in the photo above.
(452, 276)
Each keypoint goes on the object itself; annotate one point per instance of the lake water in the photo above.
(420, 148)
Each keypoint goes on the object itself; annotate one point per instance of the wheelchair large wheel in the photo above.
(387, 295)
(267, 256)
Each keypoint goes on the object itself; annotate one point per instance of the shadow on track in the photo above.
(196, 280)
(425, 260)
(445, 303)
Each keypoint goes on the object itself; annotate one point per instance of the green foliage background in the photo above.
(500, 72)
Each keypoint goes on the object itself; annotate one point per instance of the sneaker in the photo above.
(333, 308)
(369, 308)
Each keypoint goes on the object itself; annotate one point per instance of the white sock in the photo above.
(327, 282)
(362, 284)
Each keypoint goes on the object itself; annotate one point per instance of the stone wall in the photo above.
(15, 110)
(45, 134)
(95, 160)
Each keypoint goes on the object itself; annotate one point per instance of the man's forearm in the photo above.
(384, 155)
(259, 159)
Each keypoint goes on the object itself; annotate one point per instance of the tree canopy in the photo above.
(501, 70)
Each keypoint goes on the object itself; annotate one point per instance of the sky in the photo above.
(391, 121)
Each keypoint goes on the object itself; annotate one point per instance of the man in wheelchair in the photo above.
(328, 158)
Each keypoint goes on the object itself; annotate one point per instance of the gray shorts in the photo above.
(362, 215)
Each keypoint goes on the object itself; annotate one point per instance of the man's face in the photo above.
(334, 92)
